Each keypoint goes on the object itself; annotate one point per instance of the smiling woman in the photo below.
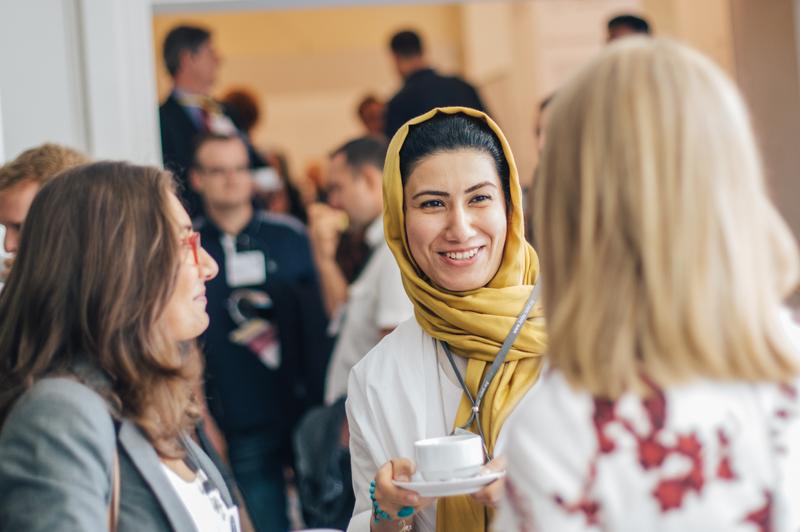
(453, 220)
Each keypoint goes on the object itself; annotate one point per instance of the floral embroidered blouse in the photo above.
(700, 457)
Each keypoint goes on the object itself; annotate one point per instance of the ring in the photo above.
(405, 511)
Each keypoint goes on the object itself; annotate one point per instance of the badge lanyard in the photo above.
(493, 369)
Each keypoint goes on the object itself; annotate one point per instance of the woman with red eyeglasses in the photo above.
(97, 328)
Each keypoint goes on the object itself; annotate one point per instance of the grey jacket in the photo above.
(56, 465)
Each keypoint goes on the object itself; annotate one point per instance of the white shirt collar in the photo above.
(374, 233)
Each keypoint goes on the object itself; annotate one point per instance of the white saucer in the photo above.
(446, 488)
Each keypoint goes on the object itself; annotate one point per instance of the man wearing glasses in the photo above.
(266, 346)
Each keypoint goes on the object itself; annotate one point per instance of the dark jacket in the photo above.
(424, 90)
(178, 136)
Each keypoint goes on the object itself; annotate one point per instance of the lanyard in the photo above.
(476, 401)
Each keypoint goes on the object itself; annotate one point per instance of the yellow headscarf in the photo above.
(474, 323)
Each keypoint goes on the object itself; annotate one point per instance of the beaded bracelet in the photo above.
(380, 515)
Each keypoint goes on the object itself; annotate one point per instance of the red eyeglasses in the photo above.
(192, 240)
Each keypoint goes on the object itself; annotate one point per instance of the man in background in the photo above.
(189, 110)
(423, 88)
(266, 346)
(624, 25)
(374, 303)
(20, 181)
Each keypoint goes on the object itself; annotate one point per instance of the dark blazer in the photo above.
(178, 136)
(56, 466)
(424, 90)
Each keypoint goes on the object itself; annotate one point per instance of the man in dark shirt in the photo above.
(423, 87)
(266, 346)
(189, 111)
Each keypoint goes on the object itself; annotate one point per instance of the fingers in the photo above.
(392, 499)
(5, 269)
(491, 495)
(498, 464)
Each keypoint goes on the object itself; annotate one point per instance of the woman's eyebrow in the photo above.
(431, 193)
(480, 185)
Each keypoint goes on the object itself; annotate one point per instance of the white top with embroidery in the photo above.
(204, 503)
(699, 457)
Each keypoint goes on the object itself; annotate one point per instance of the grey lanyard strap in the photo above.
(474, 416)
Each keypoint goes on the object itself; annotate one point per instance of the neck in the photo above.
(230, 220)
(192, 86)
(414, 65)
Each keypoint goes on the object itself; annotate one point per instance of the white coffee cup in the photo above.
(449, 457)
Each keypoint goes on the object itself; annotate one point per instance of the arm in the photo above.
(324, 228)
(56, 455)
(365, 468)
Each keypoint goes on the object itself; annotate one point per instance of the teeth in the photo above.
(462, 255)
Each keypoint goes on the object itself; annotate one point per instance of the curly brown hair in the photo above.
(40, 165)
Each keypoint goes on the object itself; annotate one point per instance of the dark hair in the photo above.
(369, 99)
(406, 43)
(634, 23)
(245, 105)
(96, 268)
(205, 138)
(450, 132)
(365, 150)
(180, 39)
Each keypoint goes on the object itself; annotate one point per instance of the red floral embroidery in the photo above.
(669, 492)
(724, 469)
(762, 517)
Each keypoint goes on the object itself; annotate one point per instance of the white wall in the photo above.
(41, 90)
(79, 73)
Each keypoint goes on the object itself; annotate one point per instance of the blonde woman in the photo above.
(671, 401)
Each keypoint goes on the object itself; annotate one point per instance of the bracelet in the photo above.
(380, 515)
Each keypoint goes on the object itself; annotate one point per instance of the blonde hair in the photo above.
(662, 255)
(40, 165)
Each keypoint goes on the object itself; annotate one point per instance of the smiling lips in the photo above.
(463, 255)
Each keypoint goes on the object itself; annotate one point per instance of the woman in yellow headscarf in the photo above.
(453, 220)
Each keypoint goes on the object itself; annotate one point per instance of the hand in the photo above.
(491, 494)
(325, 226)
(5, 268)
(391, 498)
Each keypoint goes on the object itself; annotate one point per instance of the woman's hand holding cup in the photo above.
(491, 494)
(395, 500)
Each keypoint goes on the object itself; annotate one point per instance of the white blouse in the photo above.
(698, 457)
(404, 390)
(204, 503)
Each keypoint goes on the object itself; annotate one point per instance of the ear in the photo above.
(195, 182)
(373, 176)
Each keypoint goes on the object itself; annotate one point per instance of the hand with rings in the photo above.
(391, 503)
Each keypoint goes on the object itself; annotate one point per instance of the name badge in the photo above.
(247, 268)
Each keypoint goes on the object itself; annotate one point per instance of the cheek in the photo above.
(412, 236)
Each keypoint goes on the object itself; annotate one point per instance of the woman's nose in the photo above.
(459, 225)
(208, 266)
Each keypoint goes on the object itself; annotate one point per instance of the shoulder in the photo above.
(396, 353)
(61, 405)
(170, 105)
(282, 224)
(59, 394)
